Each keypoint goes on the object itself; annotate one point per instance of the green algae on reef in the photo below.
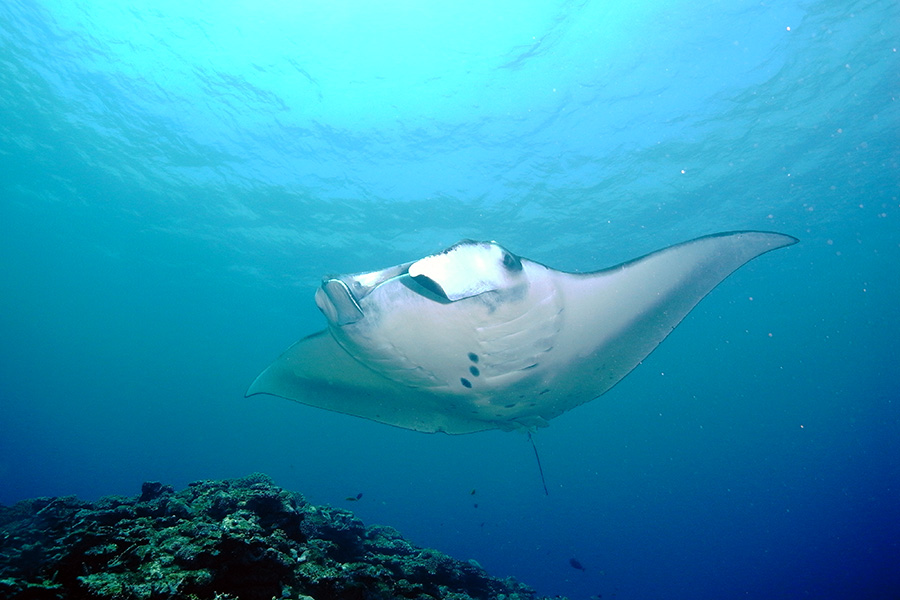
(239, 539)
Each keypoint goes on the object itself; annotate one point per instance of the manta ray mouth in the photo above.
(338, 303)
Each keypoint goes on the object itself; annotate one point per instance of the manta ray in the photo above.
(476, 338)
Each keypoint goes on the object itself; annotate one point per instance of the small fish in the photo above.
(576, 565)
(472, 493)
(352, 499)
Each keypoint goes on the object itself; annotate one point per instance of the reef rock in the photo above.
(240, 539)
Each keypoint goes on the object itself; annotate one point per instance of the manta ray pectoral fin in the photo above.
(621, 314)
(317, 371)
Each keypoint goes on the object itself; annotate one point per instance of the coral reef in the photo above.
(240, 539)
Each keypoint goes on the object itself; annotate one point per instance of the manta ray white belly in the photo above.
(475, 346)
(477, 338)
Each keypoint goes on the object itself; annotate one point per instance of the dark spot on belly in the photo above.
(542, 392)
(473, 357)
(474, 371)
(513, 405)
(465, 382)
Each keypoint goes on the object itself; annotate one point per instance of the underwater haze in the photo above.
(176, 178)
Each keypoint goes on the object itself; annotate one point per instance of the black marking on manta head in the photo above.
(426, 287)
(512, 262)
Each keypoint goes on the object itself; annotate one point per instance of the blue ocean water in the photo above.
(176, 177)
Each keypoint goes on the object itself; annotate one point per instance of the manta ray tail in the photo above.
(538, 458)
